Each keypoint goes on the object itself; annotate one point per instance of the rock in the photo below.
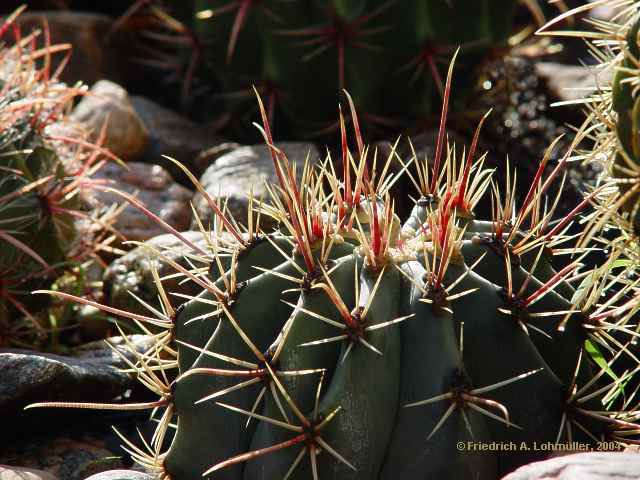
(424, 146)
(93, 323)
(126, 135)
(606, 11)
(133, 272)
(97, 350)
(234, 173)
(121, 475)
(176, 136)
(18, 473)
(92, 376)
(570, 82)
(93, 57)
(67, 458)
(153, 186)
(582, 466)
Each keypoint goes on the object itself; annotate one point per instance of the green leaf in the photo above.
(595, 353)
(621, 263)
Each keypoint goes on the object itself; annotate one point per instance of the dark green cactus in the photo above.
(26, 216)
(388, 54)
(349, 346)
(32, 239)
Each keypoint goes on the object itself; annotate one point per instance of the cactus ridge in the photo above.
(349, 345)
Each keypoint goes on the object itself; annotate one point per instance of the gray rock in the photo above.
(176, 136)
(582, 466)
(570, 82)
(153, 186)
(92, 376)
(121, 475)
(606, 11)
(94, 57)
(93, 323)
(133, 272)
(126, 135)
(97, 350)
(234, 173)
(65, 457)
(424, 146)
(18, 473)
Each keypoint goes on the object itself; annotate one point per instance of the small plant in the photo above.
(349, 345)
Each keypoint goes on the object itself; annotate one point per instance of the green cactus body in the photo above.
(417, 359)
(27, 216)
(36, 232)
(34, 239)
(431, 358)
(373, 367)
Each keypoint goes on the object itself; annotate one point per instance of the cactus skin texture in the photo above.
(33, 239)
(26, 215)
(388, 54)
(346, 345)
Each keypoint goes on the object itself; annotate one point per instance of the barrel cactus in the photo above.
(349, 345)
(45, 162)
(625, 102)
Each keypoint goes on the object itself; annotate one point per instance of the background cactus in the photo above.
(609, 137)
(614, 118)
(388, 54)
(349, 345)
(44, 164)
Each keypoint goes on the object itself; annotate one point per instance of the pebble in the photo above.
(176, 136)
(582, 466)
(154, 187)
(126, 135)
(233, 174)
